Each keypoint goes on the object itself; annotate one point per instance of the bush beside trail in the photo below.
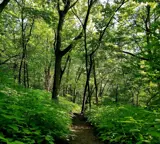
(30, 116)
(126, 124)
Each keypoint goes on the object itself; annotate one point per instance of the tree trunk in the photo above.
(24, 74)
(95, 81)
(3, 5)
(22, 44)
(58, 52)
(116, 93)
(27, 75)
(57, 77)
(88, 73)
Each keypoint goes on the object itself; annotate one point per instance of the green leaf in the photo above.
(154, 134)
(14, 127)
(134, 130)
(2, 139)
(16, 142)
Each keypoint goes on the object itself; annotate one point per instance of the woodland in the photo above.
(96, 61)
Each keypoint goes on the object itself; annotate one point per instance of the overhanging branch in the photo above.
(134, 55)
(70, 46)
(4, 62)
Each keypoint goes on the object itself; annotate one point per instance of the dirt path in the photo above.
(82, 132)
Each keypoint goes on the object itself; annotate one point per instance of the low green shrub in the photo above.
(126, 124)
(30, 116)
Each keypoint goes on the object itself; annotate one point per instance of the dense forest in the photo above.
(96, 60)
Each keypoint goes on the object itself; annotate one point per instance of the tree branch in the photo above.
(142, 58)
(103, 32)
(73, 4)
(30, 31)
(4, 62)
(69, 47)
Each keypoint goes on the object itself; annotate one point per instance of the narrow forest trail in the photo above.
(82, 132)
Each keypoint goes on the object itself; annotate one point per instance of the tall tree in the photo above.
(59, 54)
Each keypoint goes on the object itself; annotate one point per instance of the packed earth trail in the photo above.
(83, 132)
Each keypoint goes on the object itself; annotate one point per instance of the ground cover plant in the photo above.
(126, 124)
(30, 116)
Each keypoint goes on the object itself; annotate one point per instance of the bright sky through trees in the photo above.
(1, 1)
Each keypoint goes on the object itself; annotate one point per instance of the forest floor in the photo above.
(83, 132)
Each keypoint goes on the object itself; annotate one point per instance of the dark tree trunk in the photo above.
(87, 85)
(57, 77)
(22, 44)
(3, 5)
(58, 53)
(95, 81)
(27, 75)
(24, 74)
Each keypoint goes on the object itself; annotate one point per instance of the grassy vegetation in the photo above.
(126, 124)
(30, 116)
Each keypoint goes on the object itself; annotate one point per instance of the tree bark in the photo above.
(58, 53)
(3, 5)
(87, 85)
(57, 77)
(95, 81)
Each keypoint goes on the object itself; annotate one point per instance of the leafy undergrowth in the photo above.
(30, 116)
(126, 124)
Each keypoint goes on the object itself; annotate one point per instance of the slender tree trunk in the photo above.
(116, 94)
(87, 86)
(27, 75)
(87, 76)
(88, 69)
(84, 96)
(24, 73)
(95, 81)
(22, 44)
